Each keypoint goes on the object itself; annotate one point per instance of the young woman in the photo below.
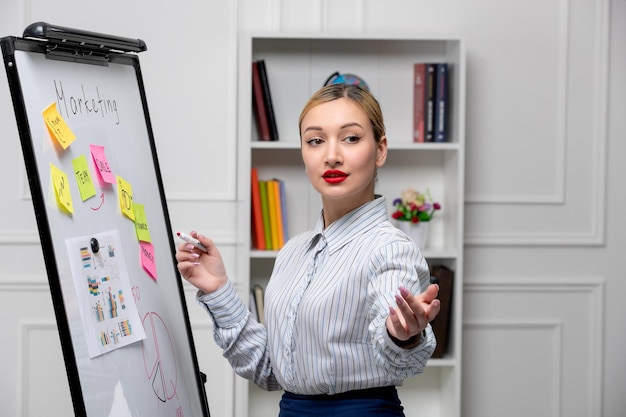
(348, 304)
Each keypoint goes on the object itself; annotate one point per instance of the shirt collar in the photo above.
(352, 224)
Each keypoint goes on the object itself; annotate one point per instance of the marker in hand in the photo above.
(192, 240)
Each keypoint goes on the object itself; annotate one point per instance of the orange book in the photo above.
(271, 203)
(279, 213)
(283, 210)
(258, 236)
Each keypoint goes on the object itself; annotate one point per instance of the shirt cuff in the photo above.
(223, 305)
(423, 343)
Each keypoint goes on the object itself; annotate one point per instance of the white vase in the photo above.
(416, 231)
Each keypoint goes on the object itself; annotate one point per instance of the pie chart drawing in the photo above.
(159, 357)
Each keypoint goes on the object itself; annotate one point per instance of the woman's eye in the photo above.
(314, 141)
(352, 139)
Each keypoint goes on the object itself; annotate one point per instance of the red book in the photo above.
(258, 235)
(258, 102)
(419, 101)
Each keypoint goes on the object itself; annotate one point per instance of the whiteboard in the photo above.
(123, 323)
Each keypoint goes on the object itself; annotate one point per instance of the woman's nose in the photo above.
(333, 154)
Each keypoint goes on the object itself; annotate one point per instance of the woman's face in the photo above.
(339, 152)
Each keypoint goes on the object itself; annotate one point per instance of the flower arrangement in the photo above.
(414, 207)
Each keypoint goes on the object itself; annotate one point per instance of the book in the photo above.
(419, 101)
(273, 214)
(444, 277)
(429, 102)
(259, 295)
(441, 103)
(267, 96)
(258, 103)
(252, 305)
(265, 214)
(279, 213)
(258, 235)
(283, 209)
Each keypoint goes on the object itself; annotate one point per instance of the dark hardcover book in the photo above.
(444, 277)
(259, 299)
(252, 306)
(419, 102)
(258, 102)
(441, 103)
(267, 95)
(429, 99)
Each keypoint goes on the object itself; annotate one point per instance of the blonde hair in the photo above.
(358, 95)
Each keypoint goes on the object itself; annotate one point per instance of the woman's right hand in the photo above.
(203, 270)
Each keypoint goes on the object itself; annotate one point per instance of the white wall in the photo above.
(543, 327)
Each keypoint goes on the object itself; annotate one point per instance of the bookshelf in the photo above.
(296, 67)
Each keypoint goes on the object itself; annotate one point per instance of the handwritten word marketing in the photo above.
(89, 101)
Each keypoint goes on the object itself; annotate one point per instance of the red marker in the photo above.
(193, 241)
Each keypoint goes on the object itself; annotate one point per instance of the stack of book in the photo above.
(430, 102)
(262, 103)
(269, 213)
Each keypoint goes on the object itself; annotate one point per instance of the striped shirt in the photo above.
(325, 307)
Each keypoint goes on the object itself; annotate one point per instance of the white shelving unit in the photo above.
(297, 66)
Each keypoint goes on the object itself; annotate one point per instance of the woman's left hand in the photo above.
(413, 314)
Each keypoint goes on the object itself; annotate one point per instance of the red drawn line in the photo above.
(101, 203)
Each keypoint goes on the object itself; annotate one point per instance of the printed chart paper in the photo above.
(107, 307)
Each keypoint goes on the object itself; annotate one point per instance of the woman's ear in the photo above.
(381, 152)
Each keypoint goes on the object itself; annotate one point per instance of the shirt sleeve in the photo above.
(241, 337)
(395, 264)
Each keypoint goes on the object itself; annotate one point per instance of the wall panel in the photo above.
(533, 347)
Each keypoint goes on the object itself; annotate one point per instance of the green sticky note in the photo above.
(83, 178)
(141, 223)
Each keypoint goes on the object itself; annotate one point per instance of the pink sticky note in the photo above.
(147, 259)
(102, 165)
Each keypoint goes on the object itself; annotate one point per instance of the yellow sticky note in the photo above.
(57, 126)
(61, 189)
(125, 194)
(141, 223)
(83, 178)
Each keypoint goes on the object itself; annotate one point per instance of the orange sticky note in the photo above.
(125, 194)
(83, 179)
(61, 189)
(148, 261)
(102, 164)
(141, 223)
(57, 127)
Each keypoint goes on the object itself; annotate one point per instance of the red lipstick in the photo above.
(334, 176)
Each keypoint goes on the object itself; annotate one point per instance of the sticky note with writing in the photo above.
(83, 178)
(102, 164)
(57, 127)
(141, 223)
(125, 194)
(148, 261)
(61, 189)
